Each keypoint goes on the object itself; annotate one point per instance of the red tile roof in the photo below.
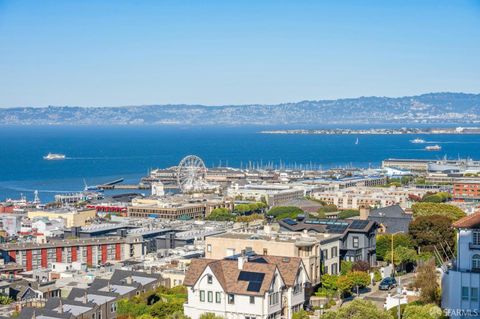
(470, 221)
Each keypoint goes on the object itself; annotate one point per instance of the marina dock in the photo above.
(132, 186)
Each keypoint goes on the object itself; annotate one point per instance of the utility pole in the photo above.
(399, 292)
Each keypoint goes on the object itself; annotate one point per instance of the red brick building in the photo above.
(92, 252)
(466, 192)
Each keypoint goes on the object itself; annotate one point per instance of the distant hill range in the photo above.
(426, 108)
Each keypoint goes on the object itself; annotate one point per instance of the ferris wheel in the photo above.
(191, 173)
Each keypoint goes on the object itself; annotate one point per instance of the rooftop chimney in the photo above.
(241, 260)
(364, 212)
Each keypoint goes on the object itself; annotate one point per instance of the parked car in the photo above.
(387, 283)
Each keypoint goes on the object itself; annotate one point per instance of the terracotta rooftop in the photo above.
(227, 272)
(470, 221)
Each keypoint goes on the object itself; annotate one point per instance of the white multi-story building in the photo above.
(272, 194)
(461, 283)
(357, 197)
(246, 288)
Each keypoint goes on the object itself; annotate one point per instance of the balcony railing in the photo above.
(474, 246)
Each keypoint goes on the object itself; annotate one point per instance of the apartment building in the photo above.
(357, 237)
(355, 198)
(307, 247)
(176, 207)
(73, 218)
(466, 191)
(11, 223)
(461, 282)
(272, 194)
(246, 287)
(92, 252)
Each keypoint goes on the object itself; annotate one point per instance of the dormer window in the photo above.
(209, 279)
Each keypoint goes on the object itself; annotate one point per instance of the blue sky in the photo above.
(108, 53)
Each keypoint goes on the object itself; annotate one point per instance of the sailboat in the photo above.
(356, 142)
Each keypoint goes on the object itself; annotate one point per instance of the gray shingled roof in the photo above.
(393, 218)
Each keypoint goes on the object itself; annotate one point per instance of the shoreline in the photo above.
(378, 131)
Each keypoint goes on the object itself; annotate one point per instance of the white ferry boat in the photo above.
(54, 156)
(435, 147)
(417, 141)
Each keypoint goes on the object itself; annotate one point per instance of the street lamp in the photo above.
(399, 295)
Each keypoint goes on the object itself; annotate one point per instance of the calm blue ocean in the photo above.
(101, 154)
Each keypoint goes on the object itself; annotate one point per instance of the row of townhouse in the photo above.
(99, 300)
(92, 252)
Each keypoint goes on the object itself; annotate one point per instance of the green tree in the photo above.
(359, 279)
(348, 213)
(162, 302)
(281, 212)
(5, 300)
(249, 218)
(439, 197)
(328, 208)
(344, 284)
(361, 265)
(257, 207)
(426, 280)
(358, 309)
(220, 214)
(345, 267)
(428, 311)
(384, 242)
(402, 256)
(428, 231)
(429, 209)
(242, 208)
(209, 315)
(163, 309)
(432, 199)
(321, 214)
(178, 315)
(329, 282)
(405, 254)
(329, 286)
(131, 309)
(302, 314)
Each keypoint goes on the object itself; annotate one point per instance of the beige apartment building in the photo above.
(272, 194)
(73, 218)
(355, 198)
(308, 247)
(176, 207)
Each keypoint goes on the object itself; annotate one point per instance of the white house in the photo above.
(461, 283)
(246, 288)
